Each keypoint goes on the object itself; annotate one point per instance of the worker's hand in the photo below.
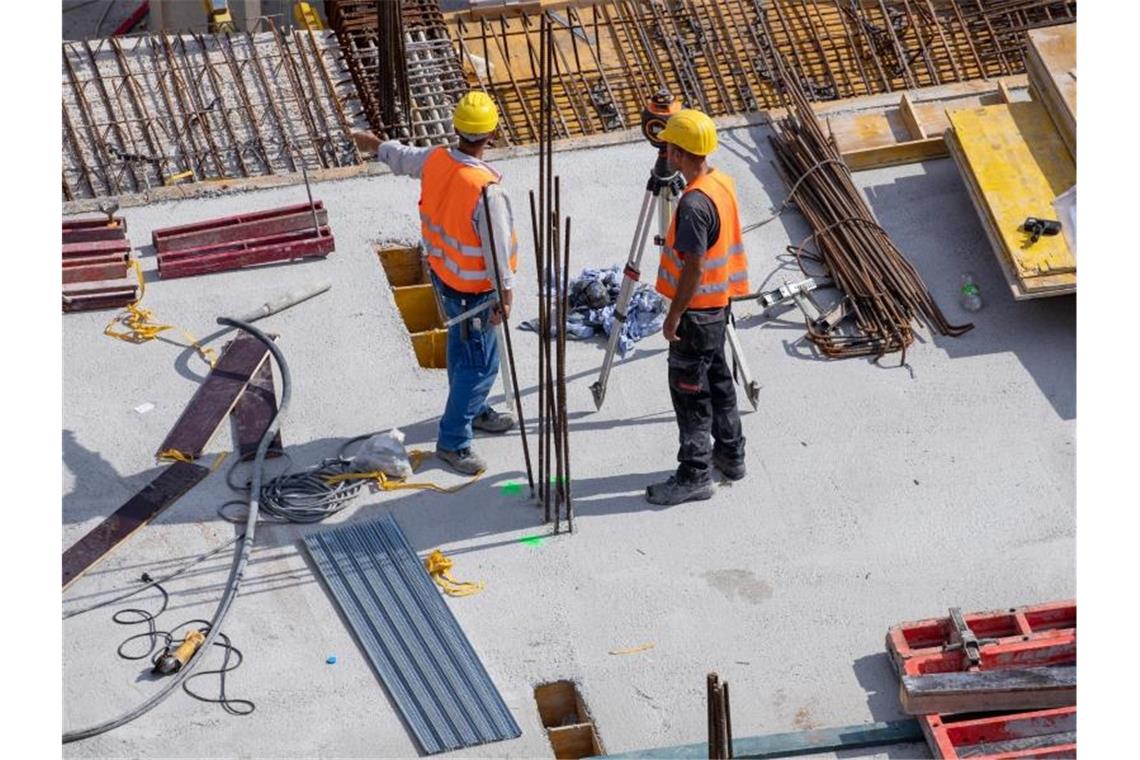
(366, 142)
(502, 310)
(672, 322)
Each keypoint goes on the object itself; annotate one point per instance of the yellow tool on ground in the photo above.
(172, 662)
(307, 18)
(220, 19)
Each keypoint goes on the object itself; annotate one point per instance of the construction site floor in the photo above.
(875, 493)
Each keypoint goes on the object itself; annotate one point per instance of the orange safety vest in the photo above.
(449, 192)
(725, 270)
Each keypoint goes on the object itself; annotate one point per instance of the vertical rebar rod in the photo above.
(567, 483)
(506, 335)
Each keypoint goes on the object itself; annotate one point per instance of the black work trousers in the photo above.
(700, 382)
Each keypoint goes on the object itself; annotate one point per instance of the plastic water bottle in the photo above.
(971, 298)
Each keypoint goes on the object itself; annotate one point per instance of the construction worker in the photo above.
(702, 265)
(453, 225)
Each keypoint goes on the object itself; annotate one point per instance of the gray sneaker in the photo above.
(465, 461)
(673, 491)
(491, 421)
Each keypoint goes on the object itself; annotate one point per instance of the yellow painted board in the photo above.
(1037, 286)
(1019, 165)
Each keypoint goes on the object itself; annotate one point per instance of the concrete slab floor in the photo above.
(874, 495)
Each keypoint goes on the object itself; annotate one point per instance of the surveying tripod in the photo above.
(661, 194)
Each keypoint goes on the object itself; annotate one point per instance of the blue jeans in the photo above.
(472, 365)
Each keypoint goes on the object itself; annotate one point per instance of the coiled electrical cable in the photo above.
(305, 496)
(240, 560)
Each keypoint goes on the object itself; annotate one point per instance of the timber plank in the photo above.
(214, 399)
(985, 690)
(253, 412)
(160, 493)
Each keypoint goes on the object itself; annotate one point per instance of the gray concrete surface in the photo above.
(875, 494)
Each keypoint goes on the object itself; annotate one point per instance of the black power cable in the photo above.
(160, 642)
(240, 560)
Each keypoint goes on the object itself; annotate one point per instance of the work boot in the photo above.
(674, 491)
(491, 421)
(465, 461)
(730, 469)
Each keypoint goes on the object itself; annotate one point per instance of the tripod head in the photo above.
(657, 111)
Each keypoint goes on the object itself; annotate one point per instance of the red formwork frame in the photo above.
(1017, 624)
(235, 255)
(96, 264)
(229, 229)
(1030, 636)
(949, 737)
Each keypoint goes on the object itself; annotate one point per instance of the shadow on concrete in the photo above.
(99, 488)
(879, 680)
(1040, 332)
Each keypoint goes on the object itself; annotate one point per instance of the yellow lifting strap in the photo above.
(388, 483)
(174, 455)
(142, 327)
(439, 568)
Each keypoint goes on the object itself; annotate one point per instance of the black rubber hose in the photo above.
(240, 560)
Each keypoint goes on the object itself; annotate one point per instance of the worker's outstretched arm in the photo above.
(686, 287)
(502, 222)
(401, 159)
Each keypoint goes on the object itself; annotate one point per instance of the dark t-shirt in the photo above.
(698, 224)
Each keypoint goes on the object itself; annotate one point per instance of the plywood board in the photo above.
(1018, 164)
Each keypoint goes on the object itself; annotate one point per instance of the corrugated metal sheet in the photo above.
(410, 636)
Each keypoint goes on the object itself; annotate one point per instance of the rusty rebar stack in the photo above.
(883, 289)
(720, 718)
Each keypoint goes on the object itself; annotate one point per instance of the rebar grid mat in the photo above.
(431, 75)
(145, 111)
(717, 55)
(883, 289)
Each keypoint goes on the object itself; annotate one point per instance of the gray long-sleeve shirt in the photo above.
(409, 161)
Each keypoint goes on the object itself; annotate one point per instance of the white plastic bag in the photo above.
(384, 452)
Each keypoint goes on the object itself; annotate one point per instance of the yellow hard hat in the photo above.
(475, 114)
(690, 130)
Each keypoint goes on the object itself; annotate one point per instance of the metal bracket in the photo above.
(963, 637)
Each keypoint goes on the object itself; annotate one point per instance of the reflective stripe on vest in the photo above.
(450, 192)
(724, 271)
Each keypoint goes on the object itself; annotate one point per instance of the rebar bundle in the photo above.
(884, 291)
(403, 65)
(391, 67)
(552, 266)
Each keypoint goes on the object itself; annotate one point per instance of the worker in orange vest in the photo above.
(702, 265)
(454, 227)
